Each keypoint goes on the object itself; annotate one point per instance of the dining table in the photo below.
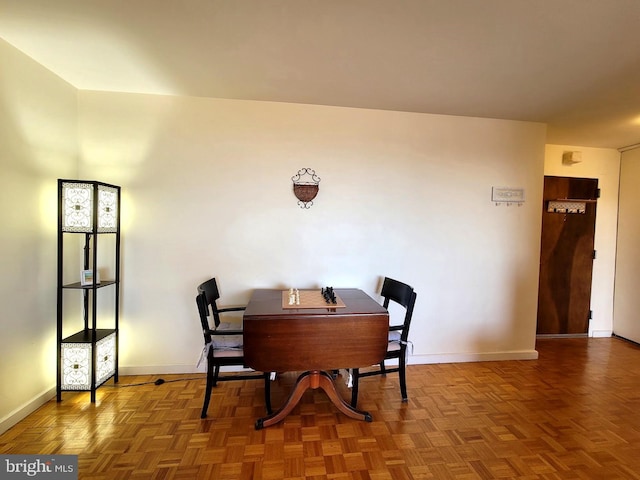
(302, 331)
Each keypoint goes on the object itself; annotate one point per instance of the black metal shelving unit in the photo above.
(89, 357)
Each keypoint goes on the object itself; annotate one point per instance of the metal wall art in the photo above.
(305, 186)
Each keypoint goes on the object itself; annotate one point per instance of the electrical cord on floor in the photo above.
(158, 381)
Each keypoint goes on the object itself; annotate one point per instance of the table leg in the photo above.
(312, 379)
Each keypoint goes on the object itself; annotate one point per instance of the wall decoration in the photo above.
(305, 186)
(507, 196)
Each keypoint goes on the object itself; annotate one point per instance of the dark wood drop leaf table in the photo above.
(285, 338)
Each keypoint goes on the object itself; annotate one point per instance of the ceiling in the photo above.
(572, 64)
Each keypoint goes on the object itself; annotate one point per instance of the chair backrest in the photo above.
(203, 311)
(403, 295)
(210, 291)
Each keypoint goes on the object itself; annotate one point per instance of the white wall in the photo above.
(627, 302)
(37, 144)
(603, 164)
(207, 192)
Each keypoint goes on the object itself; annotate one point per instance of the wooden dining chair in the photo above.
(223, 344)
(403, 295)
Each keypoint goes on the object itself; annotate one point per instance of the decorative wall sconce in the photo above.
(305, 186)
(76, 360)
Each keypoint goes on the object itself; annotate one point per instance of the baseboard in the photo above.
(625, 339)
(27, 409)
(602, 333)
(413, 360)
(593, 334)
(472, 357)
(562, 335)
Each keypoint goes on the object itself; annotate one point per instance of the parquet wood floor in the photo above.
(572, 414)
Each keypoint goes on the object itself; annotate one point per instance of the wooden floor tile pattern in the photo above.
(572, 414)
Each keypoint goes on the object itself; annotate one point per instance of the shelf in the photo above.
(79, 286)
(582, 200)
(84, 336)
(90, 233)
(89, 357)
(85, 363)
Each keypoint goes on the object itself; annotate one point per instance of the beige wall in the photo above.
(37, 144)
(627, 302)
(208, 192)
(603, 164)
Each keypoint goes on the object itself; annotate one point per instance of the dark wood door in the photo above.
(566, 256)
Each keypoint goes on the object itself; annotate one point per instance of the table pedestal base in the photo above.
(312, 379)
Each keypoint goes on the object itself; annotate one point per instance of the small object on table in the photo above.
(292, 297)
(329, 295)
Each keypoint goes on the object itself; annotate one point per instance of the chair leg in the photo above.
(267, 391)
(402, 361)
(209, 387)
(216, 374)
(383, 370)
(355, 374)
